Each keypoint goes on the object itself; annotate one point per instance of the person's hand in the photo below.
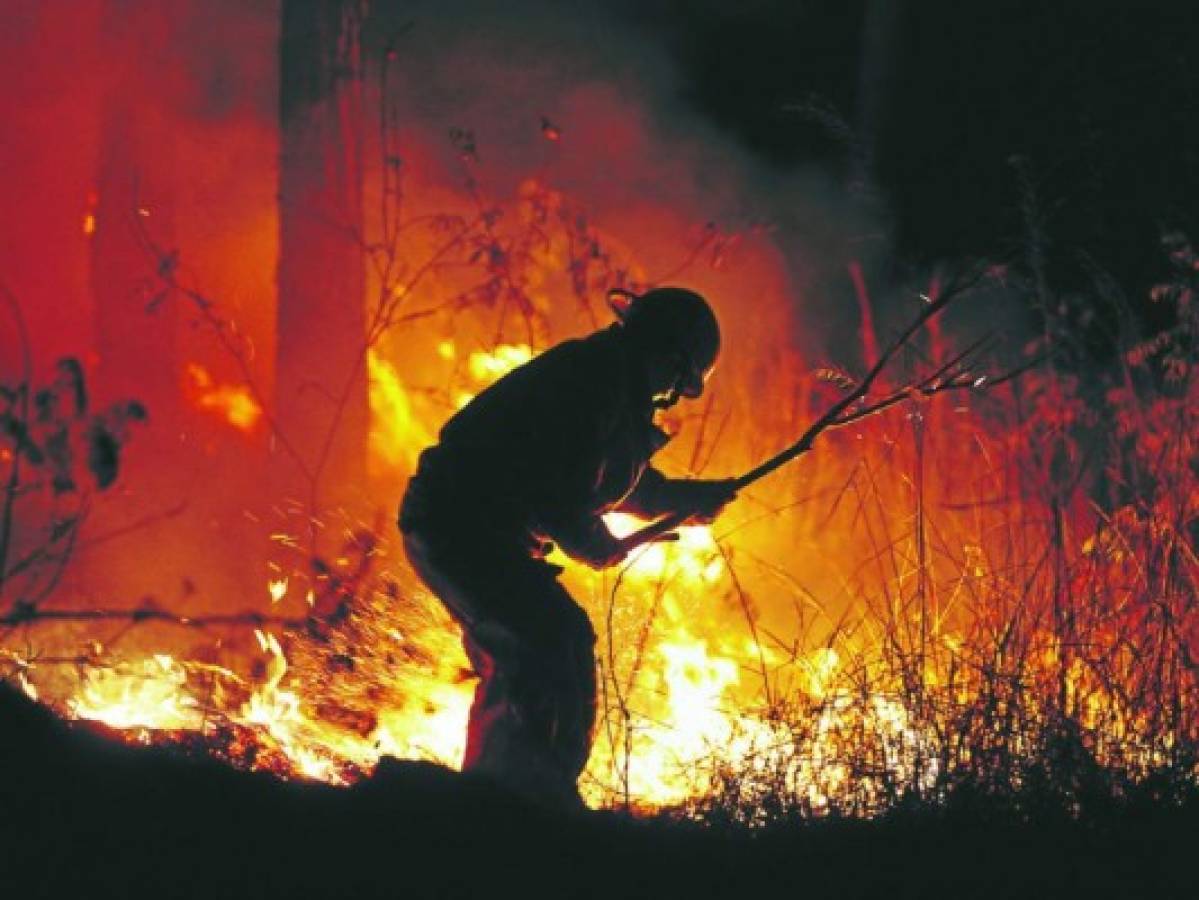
(599, 549)
(603, 557)
(703, 500)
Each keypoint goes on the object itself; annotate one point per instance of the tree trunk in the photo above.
(136, 339)
(321, 384)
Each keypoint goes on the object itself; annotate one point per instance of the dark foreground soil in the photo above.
(83, 817)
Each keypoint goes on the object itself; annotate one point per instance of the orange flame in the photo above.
(234, 403)
(822, 642)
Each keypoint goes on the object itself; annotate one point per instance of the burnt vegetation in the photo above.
(85, 814)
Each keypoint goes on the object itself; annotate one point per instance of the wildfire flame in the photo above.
(396, 436)
(234, 403)
(277, 589)
(149, 694)
(855, 628)
(89, 215)
(685, 703)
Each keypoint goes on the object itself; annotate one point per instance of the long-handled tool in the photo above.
(949, 376)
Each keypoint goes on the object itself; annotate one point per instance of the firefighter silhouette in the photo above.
(539, 457)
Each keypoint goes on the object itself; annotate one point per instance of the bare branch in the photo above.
(14, 475)
(24, 614)
(839, 413)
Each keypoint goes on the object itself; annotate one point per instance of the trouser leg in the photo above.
(535, 708)
(533, 714)
(574, 723)
(487, 709)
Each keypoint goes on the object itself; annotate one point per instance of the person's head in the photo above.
(677, 336)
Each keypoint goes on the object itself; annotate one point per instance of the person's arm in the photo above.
(586, 538)
(656, 495)
(578, 401)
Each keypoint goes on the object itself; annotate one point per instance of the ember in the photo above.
(233, 403)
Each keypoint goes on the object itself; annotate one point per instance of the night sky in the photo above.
(1093, 104)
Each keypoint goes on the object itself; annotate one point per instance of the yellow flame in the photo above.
(27, 686)
(279, 713)
(148, 693)
(693, 556)
(487, 366)
(396, 435)
(689, 712)
(235, 403)
(277, 588)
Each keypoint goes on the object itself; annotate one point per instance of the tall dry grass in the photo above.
(1018, 619)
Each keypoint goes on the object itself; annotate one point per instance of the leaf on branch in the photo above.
(22, 611)
(549, 130)
(71, 377)
(1142, 352)
(836, 376)
(60, 528)
(157, 300)
(134, 411)
(168, 265)
(464, 142)
(58, 450)
(103, 454)
(1175, 368)
(147, 609)
(19, 434)
(496, 258)
(44, 405)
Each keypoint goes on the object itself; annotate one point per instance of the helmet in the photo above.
(677, 321)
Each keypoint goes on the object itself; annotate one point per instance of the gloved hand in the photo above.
(601, 555)
(703, 499)
(589, 541)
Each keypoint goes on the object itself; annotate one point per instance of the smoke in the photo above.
(202, 77)
(650, 169)
(199, 81)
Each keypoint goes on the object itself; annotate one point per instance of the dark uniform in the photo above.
(538, 456)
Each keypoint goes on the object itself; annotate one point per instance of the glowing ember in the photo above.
(89, 216)
(234, 403)
(277, 589)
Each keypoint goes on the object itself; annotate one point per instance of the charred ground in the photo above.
(86, 816)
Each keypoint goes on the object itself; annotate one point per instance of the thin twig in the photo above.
(28, 614)
(837, 415)
(14, 475)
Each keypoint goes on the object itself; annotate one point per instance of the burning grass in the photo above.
(934, 613)
(969, 595)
